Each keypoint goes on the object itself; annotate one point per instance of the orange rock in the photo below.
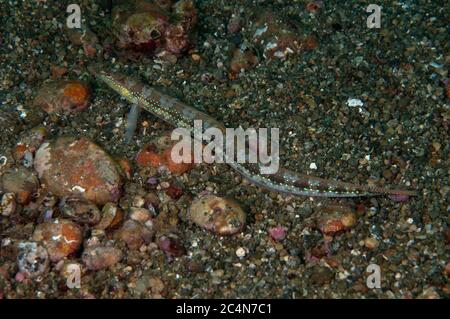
(334, 219)
(158, 153)
(148, 156)
(175, 168)
(62, 96)
(61, 237)
(19, 151)
(77, 92)
(77, 167)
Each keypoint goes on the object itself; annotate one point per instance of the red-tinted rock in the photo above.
(60, 237)
(157, 154)
(139, 26)
(277, 233)
(79, 168)
(174, 192)
(277, 38)
(86, 38)
(63, 96)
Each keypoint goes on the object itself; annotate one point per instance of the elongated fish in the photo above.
(180, 114)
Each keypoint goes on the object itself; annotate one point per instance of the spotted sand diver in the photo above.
(180, 114)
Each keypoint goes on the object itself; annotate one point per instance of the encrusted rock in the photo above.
(61, 237)
(77, 167)
(62, 96)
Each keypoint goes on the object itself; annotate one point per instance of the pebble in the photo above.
(371, 243)
(334, 219)
(77, 167)
(277, 233)
(240, 252)
(235, 24)
(221, 216)
(171, 245)
(138, 201)
(314, 6)
(61, 238)
(174, 192)
(112, 216)
(21, 181)
(140, 214)
(96, 258)
(8, 204)
(134, 234)
(32, 260)
(62, 96)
